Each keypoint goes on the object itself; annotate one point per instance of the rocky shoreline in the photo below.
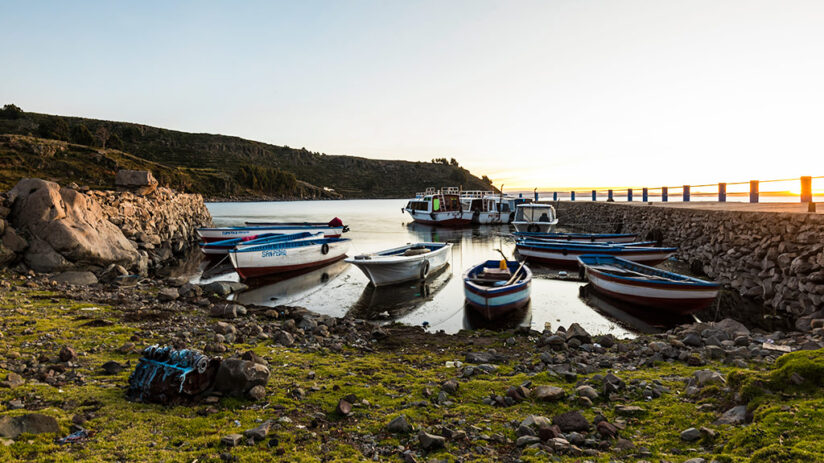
(357, 390)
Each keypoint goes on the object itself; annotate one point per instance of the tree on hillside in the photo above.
(54, 128)
(453, 162)
(81, 135)
(11, 111)
(115, 142)
(101, 136)
(486, 180)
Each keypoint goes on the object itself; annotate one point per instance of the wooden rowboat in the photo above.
(223, 247)
(580, 237)
(406, 263)
(648, 286)
(493, 292)
(209, 235)
(566, 254)
(289, 256)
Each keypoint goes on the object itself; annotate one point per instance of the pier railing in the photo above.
(803, 187)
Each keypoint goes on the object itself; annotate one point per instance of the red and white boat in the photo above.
(648, 286)
(442, 207)
(281, 257)
(334, 229)
(566, 254)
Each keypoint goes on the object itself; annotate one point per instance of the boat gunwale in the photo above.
(398, 259)
(687, 283)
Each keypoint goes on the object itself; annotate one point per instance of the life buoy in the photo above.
(424, 269)
(533, 228)
(324, 249)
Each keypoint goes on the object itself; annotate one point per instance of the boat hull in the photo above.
(487, 218)
(210, 235)
(400, 269)
(673, 299)
(568, 257)
(256, 263)
(582, 237)
(492, 302)
(442, 219)
(535, 227)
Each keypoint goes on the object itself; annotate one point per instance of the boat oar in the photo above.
(515, 275)
(502, 253)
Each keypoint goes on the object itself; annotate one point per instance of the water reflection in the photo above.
(520, 317)
(287, 288)
(396, 301)
(632, 317)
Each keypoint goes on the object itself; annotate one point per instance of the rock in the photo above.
(690, 435)
(257, 393)
(576, 331)
(259, 433)
(536, 422)
(587, 391)
(224, 288)
(168, 294)
(571, 421)
(12, 241)
(483, 357)
(344, 407)
(227, 310)
(629, 410)
(707, 377)
(67, 354)
(12, 380)
(555, 342)
(112, 368)
(225, 328)
(190, 290)
(735, 415)
(284, 339)
(76, 278)
(431, 441)
(32, 423)
(606, 429)
(399, 425)
(450, 386)
(236, 376)
(231, 440)
(140, 181)
(548, 393)
(692, 339)
(67, 227)
(524, 441)
(732, 328)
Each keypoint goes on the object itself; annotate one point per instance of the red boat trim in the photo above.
(252, 272)
(677, 306)
(212, 240)
(650, 284)
(573, 261)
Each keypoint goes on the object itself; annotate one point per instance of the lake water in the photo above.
(340, 288)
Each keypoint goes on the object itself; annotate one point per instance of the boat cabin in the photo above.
(535, 213)
(479, 204)
(439, 202)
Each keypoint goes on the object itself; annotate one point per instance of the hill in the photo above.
(217, 166)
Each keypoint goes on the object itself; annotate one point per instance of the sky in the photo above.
(547, 94)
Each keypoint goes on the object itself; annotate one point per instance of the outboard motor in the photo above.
(167, 375)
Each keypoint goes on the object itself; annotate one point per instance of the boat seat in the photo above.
(495, 274)
(416, 251)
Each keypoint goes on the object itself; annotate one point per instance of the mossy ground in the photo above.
(35, 323)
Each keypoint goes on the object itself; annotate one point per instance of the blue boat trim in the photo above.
(265, 238)
(617, 247)
(279, 227)
(598, 259)
(289, 244)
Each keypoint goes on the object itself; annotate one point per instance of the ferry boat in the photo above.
(439, 207)
(535, 218)
(483, 206)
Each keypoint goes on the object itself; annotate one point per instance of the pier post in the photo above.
(609, 196)
(686, 193)
(753, 191)
(572, 196)
(536, 195)
(555, 196)
(664, 194)
(722, 192)
(594, 195)
(645, 194)
(806, 189)
(629, 195)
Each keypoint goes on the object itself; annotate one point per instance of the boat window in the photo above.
(418, 205)
(436, 204)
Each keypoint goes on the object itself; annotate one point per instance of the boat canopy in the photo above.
(534, 213)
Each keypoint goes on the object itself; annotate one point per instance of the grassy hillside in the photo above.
(224, 166)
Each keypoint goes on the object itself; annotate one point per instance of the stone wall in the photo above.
(775, 258)
(49, 228)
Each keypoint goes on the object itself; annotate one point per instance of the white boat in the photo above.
(281, 257)
(414, 261)
(223, 247)
(493, 291)
(565, 254)
(482, 207)
(333, 229)
(439, 207)
(535, 218)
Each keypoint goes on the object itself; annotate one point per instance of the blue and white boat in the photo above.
(223, 247)
(566, 254)
(494, 291)
(258, 260)
(333, 229)
(580, 237)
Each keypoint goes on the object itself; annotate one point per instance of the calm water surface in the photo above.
(340, 288)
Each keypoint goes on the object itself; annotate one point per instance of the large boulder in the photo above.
(68, 228)
(32, 423)
(237, 376)
(140, 181)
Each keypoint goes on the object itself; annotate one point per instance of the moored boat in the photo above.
(494, 290)
(482, 206)
(405, 263)
(648, 286)
(333, 229)
(279, 257)
(566, 254)
(580, 237)
(535, 218)
(439, 207)
(222, 247)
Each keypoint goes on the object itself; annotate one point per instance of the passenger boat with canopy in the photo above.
(535, 218)
(415, 261)
(439, 207)
(648, 286)
(495, 288)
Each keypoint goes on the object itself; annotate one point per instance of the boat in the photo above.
(439, 207)
(286, 256)
(566, 254)
(333, 229)
(535, 218)
(495, 288)
(406, 263)
(648, 286)
(580, 237)
(222, 247)
(485, 207)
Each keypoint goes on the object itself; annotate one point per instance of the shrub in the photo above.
(11, 111)
(82, 136)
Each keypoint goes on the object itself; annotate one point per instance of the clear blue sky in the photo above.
(533, 93)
